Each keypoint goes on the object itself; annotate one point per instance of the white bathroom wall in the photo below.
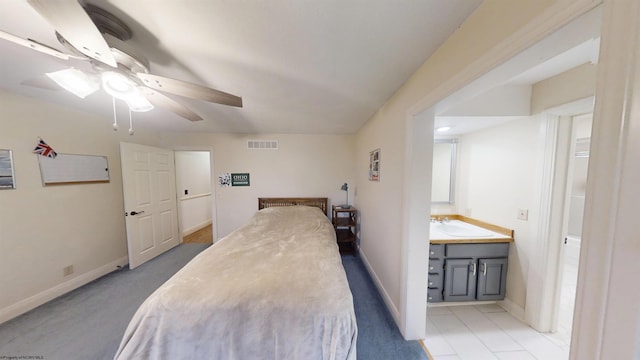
(571, 85)
(499, 172)
(193, 176)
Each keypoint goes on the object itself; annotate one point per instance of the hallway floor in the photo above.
(479, 332)
(202, 236)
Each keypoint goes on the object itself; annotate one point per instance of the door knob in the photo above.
(136, 212)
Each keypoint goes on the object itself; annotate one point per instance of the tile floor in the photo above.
(479, 332)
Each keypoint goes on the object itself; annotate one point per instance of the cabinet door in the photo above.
(492, 279)
(460, 279)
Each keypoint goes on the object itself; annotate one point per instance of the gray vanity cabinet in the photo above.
(467, 272)
(492, 278)
(460, 280)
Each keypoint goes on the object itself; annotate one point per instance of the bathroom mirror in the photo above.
(444, 171)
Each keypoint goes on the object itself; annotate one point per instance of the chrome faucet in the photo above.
(440, 220)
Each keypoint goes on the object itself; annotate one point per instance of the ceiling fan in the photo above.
(93, 34)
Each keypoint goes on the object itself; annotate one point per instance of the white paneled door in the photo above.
(148, 180)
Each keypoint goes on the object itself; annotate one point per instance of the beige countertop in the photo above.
(458, 229)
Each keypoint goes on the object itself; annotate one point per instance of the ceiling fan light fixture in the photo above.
(139, 103)
(75, 81)
(119, 86)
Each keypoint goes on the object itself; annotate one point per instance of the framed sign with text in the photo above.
(241, 179)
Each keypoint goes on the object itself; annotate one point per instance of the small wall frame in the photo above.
(374, 165)
(7, 175)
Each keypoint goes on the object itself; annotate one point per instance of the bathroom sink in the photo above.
(460, 229)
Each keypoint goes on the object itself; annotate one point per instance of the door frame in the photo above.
(609, 229)
(543, 286)
(412, 308)
(214, 216)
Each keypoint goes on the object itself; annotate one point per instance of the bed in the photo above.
(274, 288)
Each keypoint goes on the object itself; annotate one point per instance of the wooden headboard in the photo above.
(321, 203)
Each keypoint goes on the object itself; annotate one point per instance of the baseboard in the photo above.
(43, 297)
(193, 229)
(385, 296)
(512, 308)
(459, 303)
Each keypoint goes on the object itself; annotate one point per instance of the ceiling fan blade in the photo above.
(32, 44)
(162, 101)
(71, 21)
(189, 90)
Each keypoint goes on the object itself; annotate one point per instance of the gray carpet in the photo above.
(89, 322)
(378, 335)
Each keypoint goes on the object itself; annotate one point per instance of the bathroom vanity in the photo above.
(467, 259)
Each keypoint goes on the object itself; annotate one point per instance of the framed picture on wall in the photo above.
(7, 178)
(374, 165)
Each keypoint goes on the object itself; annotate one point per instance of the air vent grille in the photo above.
(262, 144)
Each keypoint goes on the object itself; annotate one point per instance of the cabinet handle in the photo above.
(474, 268)
(484, 269)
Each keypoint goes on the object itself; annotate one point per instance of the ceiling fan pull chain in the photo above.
(115, 118)
(130, 123)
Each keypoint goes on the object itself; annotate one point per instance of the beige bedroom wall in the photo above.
(44, 229)
(381, 202)
(303, 166)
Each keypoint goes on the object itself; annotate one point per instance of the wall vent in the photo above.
(262, 144)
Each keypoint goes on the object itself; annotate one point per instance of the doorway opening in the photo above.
(193, 184)
(526, 146)
(578, 164)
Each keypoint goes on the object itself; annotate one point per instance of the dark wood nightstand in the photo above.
(345, 222)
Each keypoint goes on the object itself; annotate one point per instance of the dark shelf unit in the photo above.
(345, 223)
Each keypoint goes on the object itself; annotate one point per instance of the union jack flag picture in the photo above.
(45, 150)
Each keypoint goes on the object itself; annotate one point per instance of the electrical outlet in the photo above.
(68, 270)
(523, 214)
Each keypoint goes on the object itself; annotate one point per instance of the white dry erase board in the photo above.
(73, 169)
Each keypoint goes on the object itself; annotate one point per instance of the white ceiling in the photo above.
(300, 66)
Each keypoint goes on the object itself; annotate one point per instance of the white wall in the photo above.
(44, 229)
(577, 83)
(499, 173)
(304, 166)
(193, 174)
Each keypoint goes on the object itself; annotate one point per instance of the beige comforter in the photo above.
(273, 289)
